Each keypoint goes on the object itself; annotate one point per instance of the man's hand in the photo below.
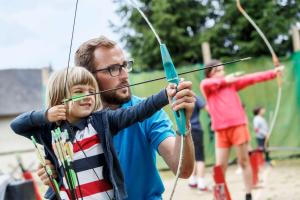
(43, 175)
(184, 98)
(57, 113)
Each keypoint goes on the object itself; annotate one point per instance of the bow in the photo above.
(276, 63)
(63, 148)
(172, 77)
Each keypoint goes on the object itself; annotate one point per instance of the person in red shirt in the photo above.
(228, 117)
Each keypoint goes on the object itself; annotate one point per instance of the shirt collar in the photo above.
(80, 125)
(128, 103)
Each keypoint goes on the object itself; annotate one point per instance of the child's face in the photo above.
(262, 111)
(81, 108)
(217, 72)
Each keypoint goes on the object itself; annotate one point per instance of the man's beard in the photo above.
(112, 98)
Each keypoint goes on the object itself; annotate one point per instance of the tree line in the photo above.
(184, 24)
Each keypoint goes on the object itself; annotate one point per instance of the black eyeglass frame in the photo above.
(127, 66)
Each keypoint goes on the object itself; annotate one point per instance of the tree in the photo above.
(184, 24)
(179, 23)
(234, 36)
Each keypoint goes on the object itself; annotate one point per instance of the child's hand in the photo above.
(184, 98)
(231, 78)
(57, 113)
(42, 174)
(279, 69)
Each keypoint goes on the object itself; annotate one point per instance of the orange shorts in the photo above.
(235, 135)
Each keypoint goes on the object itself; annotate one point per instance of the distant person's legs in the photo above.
(222, 156)
(223, 146)
(244, 162)
(238, 136)
(200, 170)
(197, 179)
(261, 146)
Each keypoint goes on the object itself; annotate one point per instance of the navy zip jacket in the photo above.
(106, 122)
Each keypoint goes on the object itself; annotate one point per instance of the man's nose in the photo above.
(123, 73)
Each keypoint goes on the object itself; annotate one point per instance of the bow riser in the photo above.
(172, 77)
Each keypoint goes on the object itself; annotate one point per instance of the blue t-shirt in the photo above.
(136, 147)
(195, 122)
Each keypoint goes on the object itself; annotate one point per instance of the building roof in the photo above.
(21, 90)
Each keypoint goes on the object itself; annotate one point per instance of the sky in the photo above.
(35, 33)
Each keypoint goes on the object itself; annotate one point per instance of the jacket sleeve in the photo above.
(251, 79)
(124, 117)
(29, 123)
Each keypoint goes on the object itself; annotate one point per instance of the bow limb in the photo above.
(172, 77)
(169, 68)
(276, 63)
(275, 58)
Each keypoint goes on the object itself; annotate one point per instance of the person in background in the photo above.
(229, 120)
(261, 129)
(197, 179)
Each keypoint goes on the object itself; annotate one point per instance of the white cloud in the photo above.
(37, 33)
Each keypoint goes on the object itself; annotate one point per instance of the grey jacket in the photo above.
(260, 126)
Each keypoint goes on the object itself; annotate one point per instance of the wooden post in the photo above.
(296, 38)
(206, 52)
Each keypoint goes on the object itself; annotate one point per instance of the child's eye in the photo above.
(92, 91)
(77, 92)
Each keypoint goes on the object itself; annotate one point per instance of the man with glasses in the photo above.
(136, 145)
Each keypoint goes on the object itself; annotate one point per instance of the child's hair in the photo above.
(257, 110)
(209, 64)
(56, 91)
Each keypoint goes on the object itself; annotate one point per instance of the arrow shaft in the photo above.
(157, 79)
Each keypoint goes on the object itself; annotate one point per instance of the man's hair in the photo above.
(84, 55)
(76, 76)
(257, 110)
(209, 64)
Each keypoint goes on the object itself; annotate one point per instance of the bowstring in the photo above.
(65, 91)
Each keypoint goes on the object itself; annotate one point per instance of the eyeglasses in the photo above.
(115, 69)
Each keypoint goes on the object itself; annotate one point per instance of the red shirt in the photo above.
(223, 101)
